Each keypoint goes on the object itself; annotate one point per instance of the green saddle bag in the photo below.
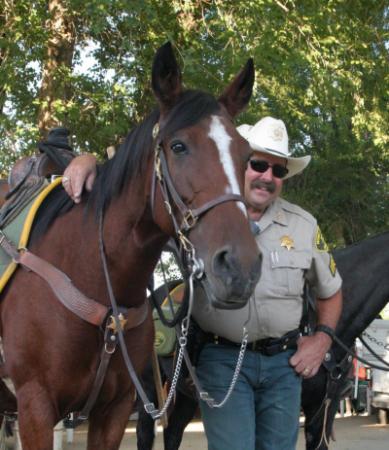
(165, 337)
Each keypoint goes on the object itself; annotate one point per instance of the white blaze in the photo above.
(222, 139)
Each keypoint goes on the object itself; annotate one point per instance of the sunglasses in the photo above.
(258, 165)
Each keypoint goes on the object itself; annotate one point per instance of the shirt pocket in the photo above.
(288, 268)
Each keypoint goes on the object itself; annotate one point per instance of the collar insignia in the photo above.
(287, 242)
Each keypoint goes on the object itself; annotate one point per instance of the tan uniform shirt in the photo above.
(293, 251)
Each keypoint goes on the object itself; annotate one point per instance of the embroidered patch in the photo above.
(332, 266)
(320, 243)
(287, 242)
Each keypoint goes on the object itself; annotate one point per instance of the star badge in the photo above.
(287, 242)
(112, 325)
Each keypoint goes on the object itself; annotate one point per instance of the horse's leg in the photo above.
(183, 411)
(108, 423)
(36, 417)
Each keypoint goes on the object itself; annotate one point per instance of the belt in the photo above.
(268, 346)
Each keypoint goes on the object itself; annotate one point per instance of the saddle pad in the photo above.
(18, 231)
(165, 337)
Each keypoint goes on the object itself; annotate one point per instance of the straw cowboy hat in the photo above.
(270, 136)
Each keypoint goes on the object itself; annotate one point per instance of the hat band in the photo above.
(275, 152)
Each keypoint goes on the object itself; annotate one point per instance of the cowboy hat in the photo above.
(270, 136)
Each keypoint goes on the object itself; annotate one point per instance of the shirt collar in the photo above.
(273, 214)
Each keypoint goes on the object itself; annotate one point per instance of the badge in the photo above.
(287, 242)
(320, 243)
(332, 266)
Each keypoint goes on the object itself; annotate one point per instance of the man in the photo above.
(263, 410)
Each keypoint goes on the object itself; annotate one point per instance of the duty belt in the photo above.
(268, 346)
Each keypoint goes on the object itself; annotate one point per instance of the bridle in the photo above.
(194, 266)
(173, 201)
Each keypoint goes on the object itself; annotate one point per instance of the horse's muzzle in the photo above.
(231, 284)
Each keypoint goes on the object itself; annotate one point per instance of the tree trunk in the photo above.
(55, 89)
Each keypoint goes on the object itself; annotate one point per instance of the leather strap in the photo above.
(325, 329)
(189, 216)
(72, 298)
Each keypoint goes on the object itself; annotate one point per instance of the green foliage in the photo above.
(320, 66)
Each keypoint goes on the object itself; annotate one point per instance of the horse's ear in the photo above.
(237, 95)
(166, 77)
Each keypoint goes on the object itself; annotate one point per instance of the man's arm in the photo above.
(79, 175)
(311, 350)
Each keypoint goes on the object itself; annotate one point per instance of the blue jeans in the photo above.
(264, 408)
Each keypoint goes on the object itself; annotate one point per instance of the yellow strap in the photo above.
(177, 294)
(33, 210)
(27, 229)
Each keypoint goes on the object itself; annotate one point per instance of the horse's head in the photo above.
(201, 160)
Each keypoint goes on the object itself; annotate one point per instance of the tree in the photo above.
(321, 66)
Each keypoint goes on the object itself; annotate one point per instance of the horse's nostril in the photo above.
(223, 263)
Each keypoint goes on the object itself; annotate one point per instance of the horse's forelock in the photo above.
(192, 107)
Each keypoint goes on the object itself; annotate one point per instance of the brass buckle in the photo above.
(157, 164)
(189, 220)
(112, 324)
(188, 246)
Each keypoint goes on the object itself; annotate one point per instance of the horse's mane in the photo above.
(130, 160)
(362, 244)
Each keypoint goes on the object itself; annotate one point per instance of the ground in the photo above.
(352, 433)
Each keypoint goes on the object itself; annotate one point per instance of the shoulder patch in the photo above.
(332, 266)
(320, 243)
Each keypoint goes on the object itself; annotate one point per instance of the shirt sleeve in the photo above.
(323, 275)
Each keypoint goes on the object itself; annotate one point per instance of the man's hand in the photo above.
(80, 174)
(311, 351)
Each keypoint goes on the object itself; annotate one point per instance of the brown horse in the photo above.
(51, 354)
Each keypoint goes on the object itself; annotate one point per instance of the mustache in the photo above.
(259, 184)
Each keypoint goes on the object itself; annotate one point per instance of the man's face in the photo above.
(262, 188)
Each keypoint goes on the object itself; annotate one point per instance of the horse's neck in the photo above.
(365, 271)
(132, 245)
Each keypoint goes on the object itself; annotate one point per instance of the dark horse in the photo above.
(51, 354)
(364, 267)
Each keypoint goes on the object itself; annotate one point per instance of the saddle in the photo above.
(29, 175)
(28, 186)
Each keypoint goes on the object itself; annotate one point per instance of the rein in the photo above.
(335, 371)
(194, 266)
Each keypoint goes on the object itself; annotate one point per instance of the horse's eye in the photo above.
(178, 148)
